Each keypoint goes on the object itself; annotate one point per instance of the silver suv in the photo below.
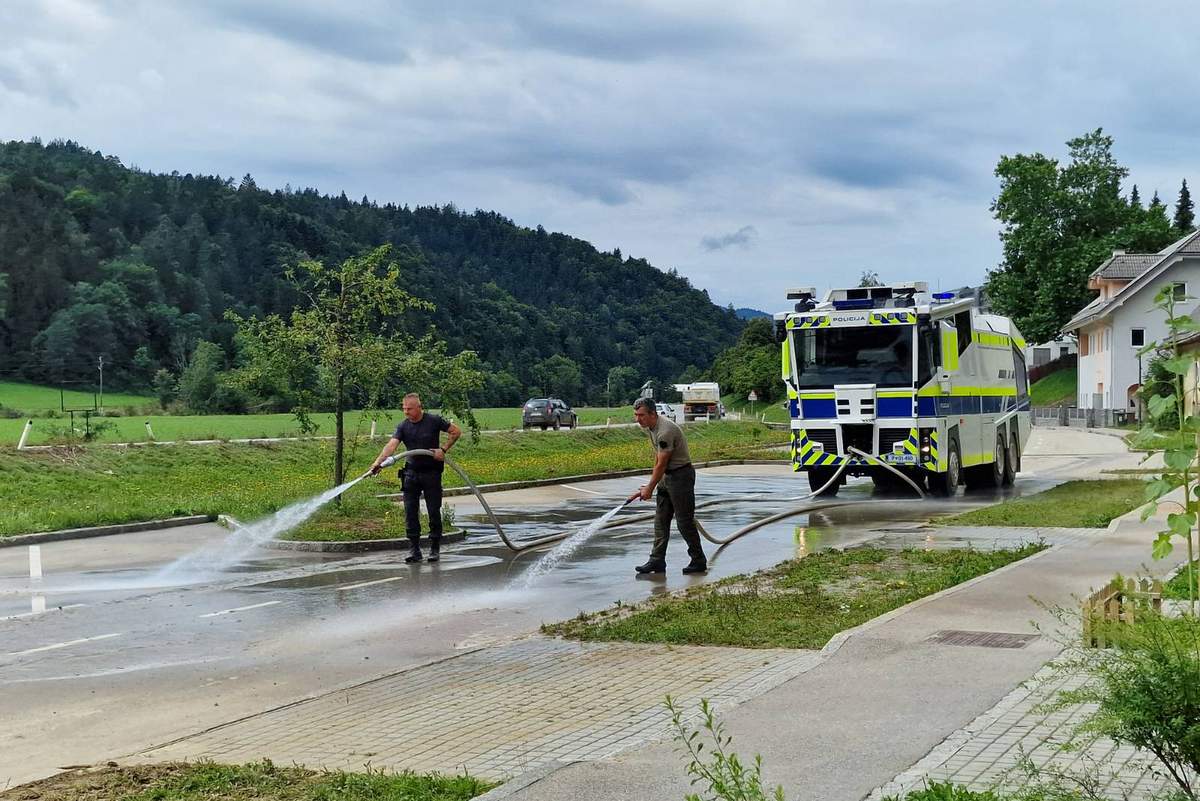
(547, 412)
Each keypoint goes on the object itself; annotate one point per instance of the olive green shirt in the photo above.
(666, 436)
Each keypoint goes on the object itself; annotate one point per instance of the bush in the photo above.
(1148, 694)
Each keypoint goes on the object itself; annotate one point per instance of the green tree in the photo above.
(622, 385)
(752, 364)
(561, 377)
(198, 382)
(1058, 224)
(1185, 216)
(165, 387)
(1135, 199)
(348, 328)
(869, 278)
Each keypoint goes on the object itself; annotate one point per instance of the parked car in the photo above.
(666, 410)
(547, 412)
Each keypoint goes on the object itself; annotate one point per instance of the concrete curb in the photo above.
(548, 482)
(357, 546)
(522, 781)
(103, 531)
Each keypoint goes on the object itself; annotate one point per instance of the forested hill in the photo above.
(100, 259)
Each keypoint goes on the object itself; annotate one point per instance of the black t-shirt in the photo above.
(425, 433)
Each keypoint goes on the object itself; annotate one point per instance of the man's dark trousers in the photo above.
(677, 499)
(416, 484)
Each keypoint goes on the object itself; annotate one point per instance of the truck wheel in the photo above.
(947, 483)
(543, 426)
(818, 477)
(1012, 465)
(989, 476)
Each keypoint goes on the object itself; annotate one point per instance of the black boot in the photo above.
(435, 547)
(653, 566)
(696, 566)
(414, 554)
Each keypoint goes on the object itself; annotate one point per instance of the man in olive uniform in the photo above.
(421, 475)
(675, 479)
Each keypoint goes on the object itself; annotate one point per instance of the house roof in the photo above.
(1097, 309)
(1126, 265)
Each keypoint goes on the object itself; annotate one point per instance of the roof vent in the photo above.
(1118, 253)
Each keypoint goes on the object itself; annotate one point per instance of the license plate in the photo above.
(902, 458)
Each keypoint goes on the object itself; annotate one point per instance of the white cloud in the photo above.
(846, 135)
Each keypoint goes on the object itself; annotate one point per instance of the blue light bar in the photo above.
(862, 303)
(943, 295)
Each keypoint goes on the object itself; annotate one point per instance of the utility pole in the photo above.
(101, 358)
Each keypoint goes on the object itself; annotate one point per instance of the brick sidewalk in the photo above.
(500, 711)
(987, 752)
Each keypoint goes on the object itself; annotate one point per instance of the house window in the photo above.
(1063, 352)
(1137, 337)
(1179, 290)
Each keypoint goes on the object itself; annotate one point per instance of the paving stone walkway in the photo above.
(988, 752)
(499, 711)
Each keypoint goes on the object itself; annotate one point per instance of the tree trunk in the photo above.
(339, 442)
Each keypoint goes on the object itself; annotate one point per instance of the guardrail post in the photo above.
(25, 435)
(149, 431)
(372, 429)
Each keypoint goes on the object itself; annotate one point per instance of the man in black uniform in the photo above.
(421, 474)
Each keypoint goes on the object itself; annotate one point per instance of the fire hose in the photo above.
(520, 546)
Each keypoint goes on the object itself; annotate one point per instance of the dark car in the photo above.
(547, 412)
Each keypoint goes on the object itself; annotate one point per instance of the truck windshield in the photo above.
(878, 354)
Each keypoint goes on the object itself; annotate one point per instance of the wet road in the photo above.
(131, 653)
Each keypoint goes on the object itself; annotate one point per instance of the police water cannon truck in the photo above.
(926, 384)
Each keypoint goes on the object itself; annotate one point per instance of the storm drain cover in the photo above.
(982, 639)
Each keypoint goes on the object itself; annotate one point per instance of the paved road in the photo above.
(145, 650)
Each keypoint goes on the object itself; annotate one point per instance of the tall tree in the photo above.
(1135, 199)
(347, 328)
(1059, 222)
(1185, 217)
(869, 278)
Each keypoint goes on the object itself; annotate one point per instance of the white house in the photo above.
(1113, 327)
(1039, 354)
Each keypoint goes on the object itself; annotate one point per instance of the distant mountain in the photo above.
(749, 314)
(100, 259)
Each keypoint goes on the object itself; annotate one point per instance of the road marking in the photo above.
(51, 609)
(35, 562)
(38, 604)
(67, 644)
(581, 489)
(367, 583)
(240, 609)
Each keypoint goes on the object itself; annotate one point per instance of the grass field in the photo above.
(775, 412)
(261, 781)
(254, 426)
(67, 487)
(1055, 389)
(34, 399)
(801, 603)
(1075, 504)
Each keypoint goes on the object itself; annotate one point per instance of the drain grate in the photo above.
(982, 639)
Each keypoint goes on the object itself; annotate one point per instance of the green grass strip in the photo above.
(801, 603)
(260, 781)
(1075, 504)
(66, 488)
(1054, 389)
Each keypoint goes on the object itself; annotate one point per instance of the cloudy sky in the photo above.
(751, 146)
